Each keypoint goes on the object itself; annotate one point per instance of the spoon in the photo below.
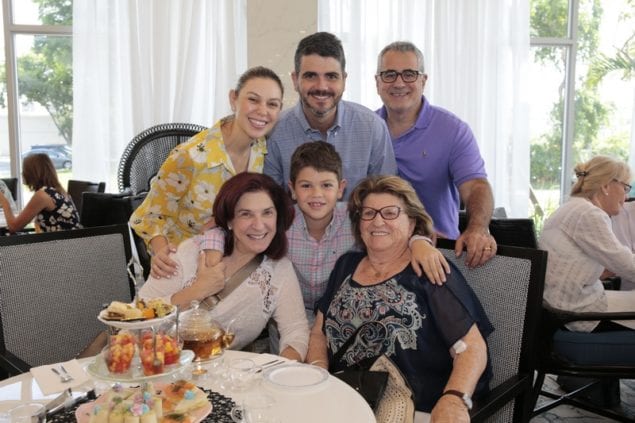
(156, 363)
(63, 377)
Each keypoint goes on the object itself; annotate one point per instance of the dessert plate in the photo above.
(295, 376)
(83, 412)
(97, 368)
(136, 323)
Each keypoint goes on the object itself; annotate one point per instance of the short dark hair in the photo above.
(258, 72)
(38, 171)
(403, 47)
(320, 155)
(231, 192)
(323, 44)
(400, 188)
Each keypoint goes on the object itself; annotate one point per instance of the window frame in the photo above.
(10, 30)
(570, 43)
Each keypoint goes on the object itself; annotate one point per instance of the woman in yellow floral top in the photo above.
(179, 204)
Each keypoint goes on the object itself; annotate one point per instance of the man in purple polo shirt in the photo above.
(436, 152)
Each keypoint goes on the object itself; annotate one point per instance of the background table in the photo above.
(333, 401)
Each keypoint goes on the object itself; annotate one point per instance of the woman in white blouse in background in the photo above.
(581, 245)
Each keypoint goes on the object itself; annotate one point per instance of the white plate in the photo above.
(82, 414)
(97, 368)
(296, 375)
(136, 324)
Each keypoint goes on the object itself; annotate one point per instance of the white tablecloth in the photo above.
(335, 401)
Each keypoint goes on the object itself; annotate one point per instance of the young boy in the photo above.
(321, 230)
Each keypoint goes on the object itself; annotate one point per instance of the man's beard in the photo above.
(316, 112)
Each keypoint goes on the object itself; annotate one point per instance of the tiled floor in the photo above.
(565, 413)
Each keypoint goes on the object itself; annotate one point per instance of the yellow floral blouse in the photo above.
(180, 200)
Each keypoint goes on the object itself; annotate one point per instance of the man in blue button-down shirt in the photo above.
(360, 136)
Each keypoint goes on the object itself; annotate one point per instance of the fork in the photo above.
(64, 377)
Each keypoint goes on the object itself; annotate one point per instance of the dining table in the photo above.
(326, 400)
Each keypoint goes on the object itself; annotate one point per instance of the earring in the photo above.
(606, 193)
(229, 227)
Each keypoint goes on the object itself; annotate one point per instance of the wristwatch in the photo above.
(467, 400)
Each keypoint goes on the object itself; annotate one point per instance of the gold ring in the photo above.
(487, 248)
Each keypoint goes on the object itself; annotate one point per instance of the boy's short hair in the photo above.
(319, 155)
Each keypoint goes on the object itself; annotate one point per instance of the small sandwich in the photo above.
(181, 397)
(160, 307)
(122, 311)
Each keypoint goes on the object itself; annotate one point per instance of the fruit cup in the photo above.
(172, 349)
(151, 352)
(119, 352)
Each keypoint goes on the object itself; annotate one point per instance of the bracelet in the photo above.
(419, 237)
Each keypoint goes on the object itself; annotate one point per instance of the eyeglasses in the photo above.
(407, 75)
(388, 213)
(627, 187)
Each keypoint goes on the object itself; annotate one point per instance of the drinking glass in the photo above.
(256, 408)
(28, 413)
(241, 373)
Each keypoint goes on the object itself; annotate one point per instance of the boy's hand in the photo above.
(209, 279)
(427, 259)
(212, 257)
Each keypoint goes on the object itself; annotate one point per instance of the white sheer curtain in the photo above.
(475, 54)
(138, 63)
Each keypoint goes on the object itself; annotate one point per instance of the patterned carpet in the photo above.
(565, 413)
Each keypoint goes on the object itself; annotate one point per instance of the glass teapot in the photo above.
(201, 333)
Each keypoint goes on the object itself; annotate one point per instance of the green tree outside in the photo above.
(549, 19)
(45, 74)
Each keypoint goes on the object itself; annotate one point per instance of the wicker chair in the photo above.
(145, 154)
(53, 285)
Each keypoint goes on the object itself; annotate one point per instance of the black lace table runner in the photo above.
(221, 410)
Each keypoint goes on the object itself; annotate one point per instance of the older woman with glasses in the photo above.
(582, 245)
(434, 334)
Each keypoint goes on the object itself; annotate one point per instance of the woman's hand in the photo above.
(210, 280)
(449, 409)
(162, 265)
(431, 261)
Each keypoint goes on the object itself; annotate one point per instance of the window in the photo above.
(36, 99)
(582, 84)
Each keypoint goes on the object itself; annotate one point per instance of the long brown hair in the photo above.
(38, 171)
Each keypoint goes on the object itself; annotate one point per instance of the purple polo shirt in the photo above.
(437, 155)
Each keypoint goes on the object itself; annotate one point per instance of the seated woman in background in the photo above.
(433, 333)
(4, 190)
(50, 206)
(581, 245)
(256, 212)
(624, 230)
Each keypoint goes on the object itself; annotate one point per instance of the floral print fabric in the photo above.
(62, 218)
(181, 196)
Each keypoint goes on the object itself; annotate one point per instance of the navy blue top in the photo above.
(63, 217)
(419, 323)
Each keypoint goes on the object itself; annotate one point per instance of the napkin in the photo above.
(50, 383)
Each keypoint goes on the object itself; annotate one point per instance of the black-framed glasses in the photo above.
(627, 187)
(388, 213)
(407, 75)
